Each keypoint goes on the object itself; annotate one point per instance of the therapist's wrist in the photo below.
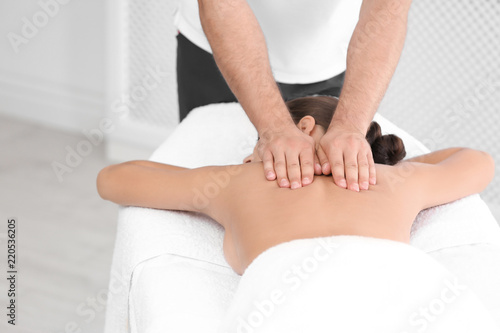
(275, 119)
(350, 122)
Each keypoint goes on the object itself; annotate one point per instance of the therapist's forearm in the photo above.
(240, 51)
(372, 57)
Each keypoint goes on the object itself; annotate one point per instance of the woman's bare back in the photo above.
(257, 214)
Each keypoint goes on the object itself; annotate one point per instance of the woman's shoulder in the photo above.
(218, 186)
(233, 171)
(401, 175)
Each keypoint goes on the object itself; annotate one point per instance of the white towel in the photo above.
(352, 284)
(464, 221)
(222, 134)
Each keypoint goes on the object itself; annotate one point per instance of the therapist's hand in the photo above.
(344, 152)
(289, 156)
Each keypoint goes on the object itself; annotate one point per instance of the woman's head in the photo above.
(313, 115)
(321, 108)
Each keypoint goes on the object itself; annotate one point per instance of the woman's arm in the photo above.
(436, 156)
(449, 174)
(156, 185)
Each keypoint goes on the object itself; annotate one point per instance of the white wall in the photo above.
(56, 75)
(446, 89)
(64, 62)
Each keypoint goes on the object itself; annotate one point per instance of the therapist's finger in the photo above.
(293, 170)
(323, 161)
(306, 159)
(317, 165)
(363, 171)
(351, 170)
(373, 171)
(268, 161)
(280, 168)
(338, 170)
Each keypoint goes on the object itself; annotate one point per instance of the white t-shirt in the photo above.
(306, 39)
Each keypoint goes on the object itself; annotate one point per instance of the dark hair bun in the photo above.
(387, 149)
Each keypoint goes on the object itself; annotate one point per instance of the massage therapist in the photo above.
(271, 51)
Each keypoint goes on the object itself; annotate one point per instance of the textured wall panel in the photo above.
(446, 90)
(152, 47)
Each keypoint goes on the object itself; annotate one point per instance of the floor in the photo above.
(65, 231)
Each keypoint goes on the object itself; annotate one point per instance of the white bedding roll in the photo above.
(352, 284)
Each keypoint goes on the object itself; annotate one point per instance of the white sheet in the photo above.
(352, 284)
(147, 239)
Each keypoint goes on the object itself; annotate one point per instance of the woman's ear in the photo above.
(306, 124)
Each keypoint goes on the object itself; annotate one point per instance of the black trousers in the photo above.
(199, 81)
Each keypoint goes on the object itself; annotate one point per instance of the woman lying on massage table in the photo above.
(257, 214)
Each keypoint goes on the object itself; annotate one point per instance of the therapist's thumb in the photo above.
(323, 161)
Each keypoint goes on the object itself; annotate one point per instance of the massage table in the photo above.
(169, 274)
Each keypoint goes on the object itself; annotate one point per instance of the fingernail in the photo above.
(306, 181)
(364, 185)
(270, 175)
(343, 183)
(295, 185)
(355, 187)
(317, 169)
(373, 181)
(324, 168)
(283, 183)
